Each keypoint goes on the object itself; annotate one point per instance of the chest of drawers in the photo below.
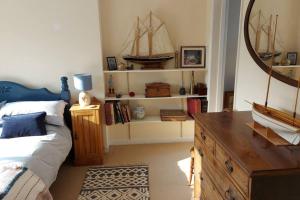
(232, 163)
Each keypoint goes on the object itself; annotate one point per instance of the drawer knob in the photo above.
(76, 136)
(203, 136)
(228, 195)
(229, 166)
(201, 152)
(201, 178)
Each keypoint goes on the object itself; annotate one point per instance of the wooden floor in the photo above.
(168, 171)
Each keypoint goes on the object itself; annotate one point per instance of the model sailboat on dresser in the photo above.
(278, 127)
(149, 42)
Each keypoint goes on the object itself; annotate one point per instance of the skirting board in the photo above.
(144, 141)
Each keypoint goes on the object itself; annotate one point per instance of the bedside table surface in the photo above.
(76, 107)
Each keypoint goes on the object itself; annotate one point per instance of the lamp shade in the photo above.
(83, 82)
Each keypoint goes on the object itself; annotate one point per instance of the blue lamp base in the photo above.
(84, 99)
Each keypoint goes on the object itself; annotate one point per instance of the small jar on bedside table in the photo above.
(87, 134)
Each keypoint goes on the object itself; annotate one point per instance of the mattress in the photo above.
(41, 154)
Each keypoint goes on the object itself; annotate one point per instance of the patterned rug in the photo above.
(116, 183)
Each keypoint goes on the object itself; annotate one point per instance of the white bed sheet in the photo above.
(41, 154)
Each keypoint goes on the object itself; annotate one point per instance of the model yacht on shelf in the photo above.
(149, 43)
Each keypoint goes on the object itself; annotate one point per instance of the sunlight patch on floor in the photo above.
(184, 166)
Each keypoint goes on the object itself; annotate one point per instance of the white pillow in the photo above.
(54, 110)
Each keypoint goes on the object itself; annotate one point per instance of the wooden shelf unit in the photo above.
(156, 100)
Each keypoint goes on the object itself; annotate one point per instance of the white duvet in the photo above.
(41, 154)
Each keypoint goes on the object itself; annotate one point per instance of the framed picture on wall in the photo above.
(292, 57)
(112, 63)
(192, 57)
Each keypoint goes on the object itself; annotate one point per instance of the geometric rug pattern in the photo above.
(116, 183)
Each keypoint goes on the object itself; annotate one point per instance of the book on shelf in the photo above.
(115, 113)
(196, 105)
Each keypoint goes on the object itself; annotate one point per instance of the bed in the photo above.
(43, 155)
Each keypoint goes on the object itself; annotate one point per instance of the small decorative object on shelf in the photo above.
(130, 67)
(182, 91)
(139, 112)
(201, 89)
(112, 63)
(111, 90)
(192, 84)
(121, 66)
(83, 83)
(193, 56)
(158, 90)
(118, 95)
(131, 94)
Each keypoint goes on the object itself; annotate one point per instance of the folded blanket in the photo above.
(17, 182)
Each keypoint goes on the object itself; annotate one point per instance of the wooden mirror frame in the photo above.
(255, 57)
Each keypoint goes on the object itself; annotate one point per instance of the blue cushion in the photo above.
(32, 124)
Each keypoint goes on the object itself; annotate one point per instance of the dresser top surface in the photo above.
(252, 152)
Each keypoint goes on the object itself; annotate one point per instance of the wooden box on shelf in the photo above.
(158, 90)
(87, 134)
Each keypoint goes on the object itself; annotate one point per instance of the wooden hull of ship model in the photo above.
(147, 60)
(268, 55)
(280, 123)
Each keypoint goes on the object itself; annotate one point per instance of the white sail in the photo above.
(161, 42)
(144, 45)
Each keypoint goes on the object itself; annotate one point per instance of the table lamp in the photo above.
(83, 83)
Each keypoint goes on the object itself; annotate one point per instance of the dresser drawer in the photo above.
(203, 136)
(232, 169)
(223, 184)
(209, 191)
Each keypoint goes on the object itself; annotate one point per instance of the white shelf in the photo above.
(142, 97)
(151, 119)
(287, 66)
(156, 70)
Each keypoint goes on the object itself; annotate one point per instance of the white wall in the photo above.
(251, 83)
(42, 40)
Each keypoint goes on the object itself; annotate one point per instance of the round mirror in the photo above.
(272, 35)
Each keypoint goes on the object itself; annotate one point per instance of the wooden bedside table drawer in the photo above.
(203, 136)
(232, 169)
(208, 190)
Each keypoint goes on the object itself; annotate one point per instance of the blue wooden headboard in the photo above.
(12, 92)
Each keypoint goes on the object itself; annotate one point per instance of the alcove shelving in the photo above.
(125, 81)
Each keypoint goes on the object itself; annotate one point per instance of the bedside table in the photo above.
(87, 135)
